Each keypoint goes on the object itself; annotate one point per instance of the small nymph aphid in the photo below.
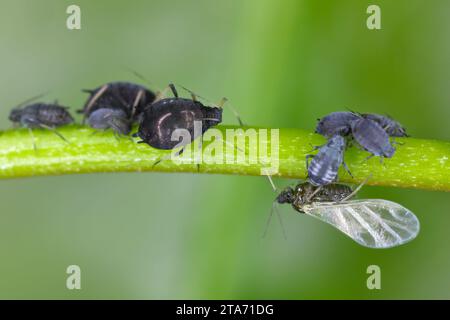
(324, 166)
(372, 138)
(393, 128)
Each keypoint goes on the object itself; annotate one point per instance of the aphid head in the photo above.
(286, 196)
(215, 113)
(15, 115)
(397, 130)
(106, 118)
(337, 142)
(389, 151)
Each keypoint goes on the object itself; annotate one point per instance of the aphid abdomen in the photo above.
(159, 123)
(324, 167)
(53, 115)
(39, 114)
(392, 127)
(333, 193)
(372, 137)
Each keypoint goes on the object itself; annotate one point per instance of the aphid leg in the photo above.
(33, 139)
(307, 159)
(395, 142)
(200, 146)
(173, 89)
(94, 99)
(54, 131)
(308, 199)
(161, 94)
(347, 169)
(314, 148)
(166, 157)
(116, 135)
(354, 192)
(369, 157)
(138, 98)
(223, 102)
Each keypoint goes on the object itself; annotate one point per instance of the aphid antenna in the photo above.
(31, 100)
(269, 177)
(160, 94)
(354, 192)
(142, 77)
(223, 102)
(354, 112)
(269, 219)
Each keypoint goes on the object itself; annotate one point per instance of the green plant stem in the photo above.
(422, 164)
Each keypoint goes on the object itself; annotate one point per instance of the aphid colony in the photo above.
(372, 223)
(371, 132)
(119, 105)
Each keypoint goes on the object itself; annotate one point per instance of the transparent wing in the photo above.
(373, 223)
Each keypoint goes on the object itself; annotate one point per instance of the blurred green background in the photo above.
(282, 64)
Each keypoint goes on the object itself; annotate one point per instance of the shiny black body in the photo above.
(303, 194)
(372, 137)
(41, 115)
(119, 95)
(116, 105)
(165, 116)
(324, 166)
(392, 127)
(336, 123)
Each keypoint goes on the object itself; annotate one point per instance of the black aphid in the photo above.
(41, 115)
(336, 123)
(373, 223)
(324, 166)
(131, 99)
(372, 137)
(393, 128)
(163, 117)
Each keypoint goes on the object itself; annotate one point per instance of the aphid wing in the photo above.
(373, 223)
